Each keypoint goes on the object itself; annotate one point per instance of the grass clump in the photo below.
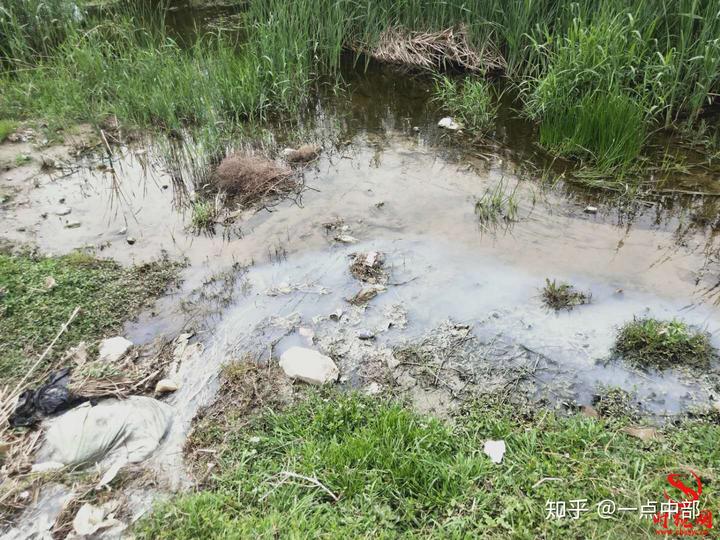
(38, 294)
(497, 204)
(562, 295)
(7, 127)
(469, 100)
(204, 214)
(664, 344)
(345, 466)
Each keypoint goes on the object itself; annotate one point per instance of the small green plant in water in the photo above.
(469, 100)
(204, 213)
(560, 295)
(664, 344)
(497, 205)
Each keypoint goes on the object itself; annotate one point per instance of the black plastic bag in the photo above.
(52, 397)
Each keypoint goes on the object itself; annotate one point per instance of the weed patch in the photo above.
(664, 344)
(469, 100)
(561, 295)
(348, 466)
(497, 205)
(37, 294)
(7, 127)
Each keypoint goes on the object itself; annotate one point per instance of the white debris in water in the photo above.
(590, 210)
(62, 210)
(495, 450)
(449, 123)
(308, 365)
(113, 349)
(287, 288)
(91, 519)
(346, 239)
(307, 333)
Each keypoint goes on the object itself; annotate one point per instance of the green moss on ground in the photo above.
(346, 466)
(38, 295)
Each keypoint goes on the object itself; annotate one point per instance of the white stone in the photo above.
(495, 450)
(63, 211)
(449, 123)
(113, 349)
(72, 224)
(308, 365)
(591, 210)
(346, 239)
(165, 386)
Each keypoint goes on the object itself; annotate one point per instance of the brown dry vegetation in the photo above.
(251, 179)
(430, 50)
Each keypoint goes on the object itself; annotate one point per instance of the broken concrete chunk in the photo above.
(449, 123)
(308, 366)
(165, 386)
(113, 349)
(495, 450)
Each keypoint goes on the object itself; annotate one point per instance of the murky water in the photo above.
(399, 185)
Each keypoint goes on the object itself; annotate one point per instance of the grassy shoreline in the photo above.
(337, 465)
(597, 77)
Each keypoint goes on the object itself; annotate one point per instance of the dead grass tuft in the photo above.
(432, 50)
(304, 154)
(251, 179)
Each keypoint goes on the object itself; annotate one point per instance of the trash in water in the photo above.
(112, 433)
(52, 397)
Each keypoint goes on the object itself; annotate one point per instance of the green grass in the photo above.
(497, 204)
(372, 468)
(470, 101)
(204, 213)
(562, 295)
(31, 313)
(664, 344)
(7, 127)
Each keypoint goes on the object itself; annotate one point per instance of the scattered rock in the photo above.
(165, 386)
(307, 152)
(366, 334)
(130, 240)
(495, 450)
(449, 123)
(72, 224)
(372, 389)
(336, 315)
(308, 365)
(645, 434)
(113, 349)
(366, 294)
(590, 210)
(590, 411)
(62, 211)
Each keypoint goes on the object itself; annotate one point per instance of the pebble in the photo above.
(72, 224)
(130, 240)
(366, 334)
(63, 211)
(590, 210)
